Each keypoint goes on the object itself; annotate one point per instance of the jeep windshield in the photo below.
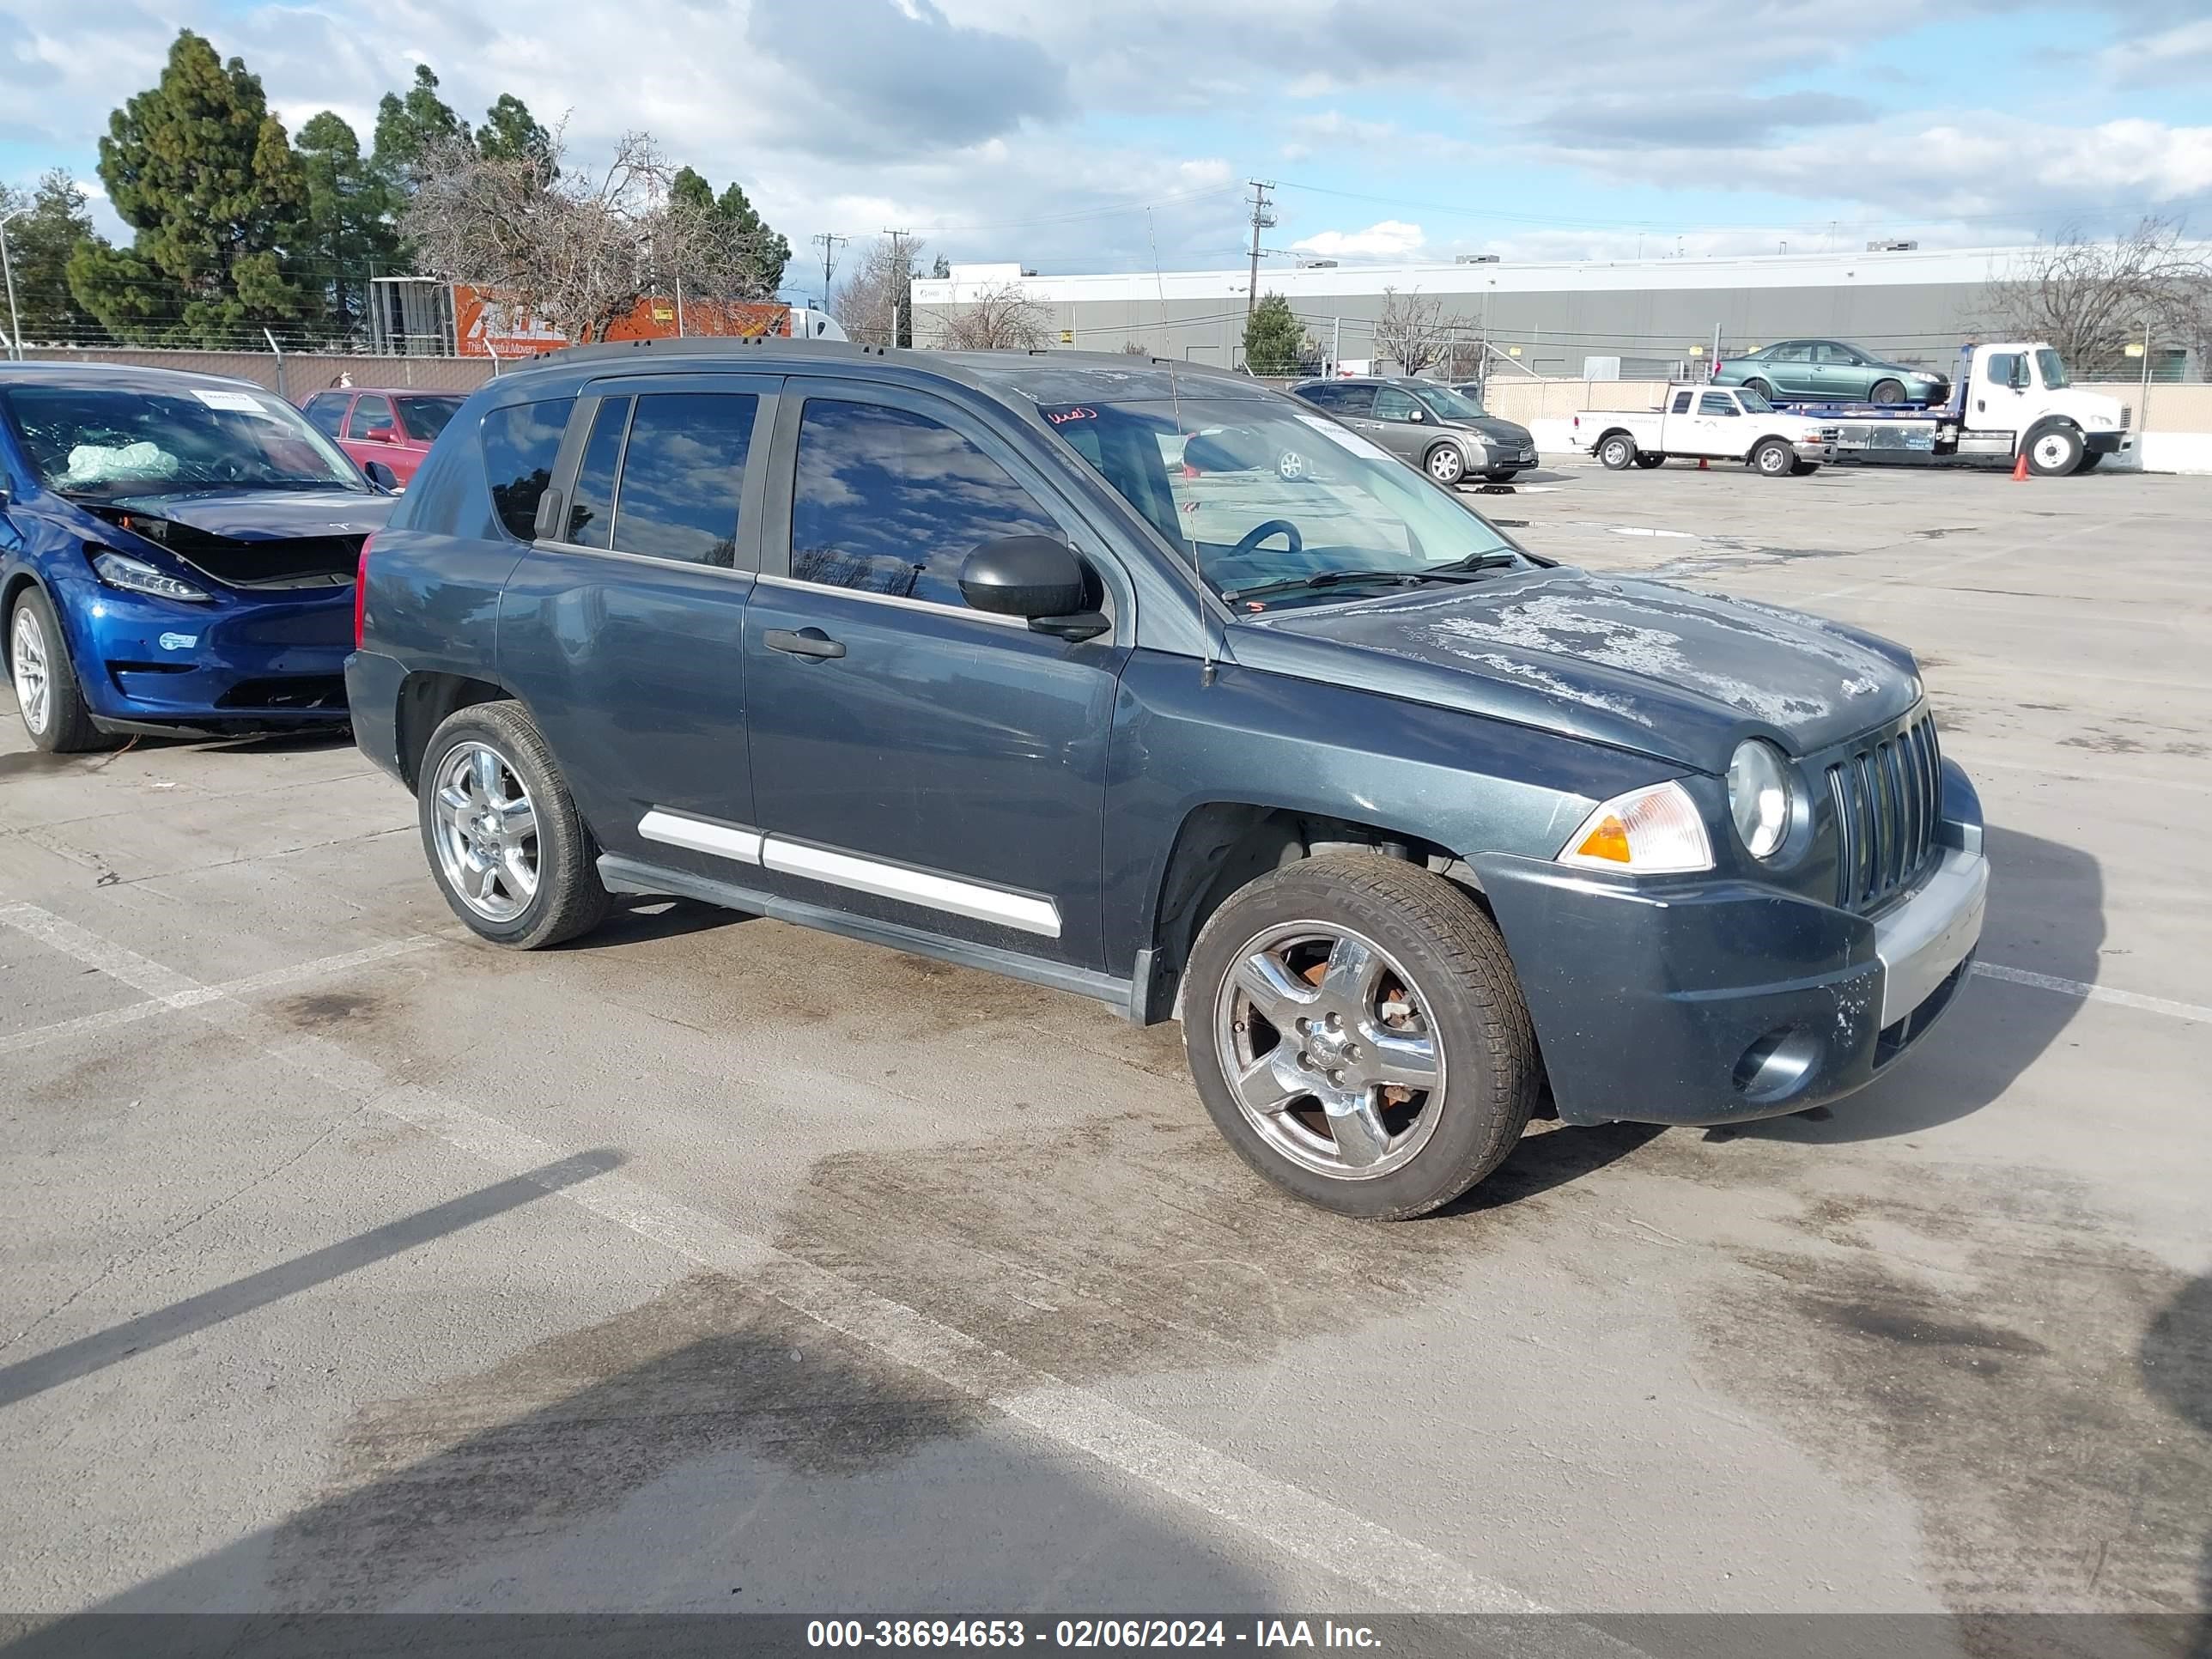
(1270, 500)
(112, 444)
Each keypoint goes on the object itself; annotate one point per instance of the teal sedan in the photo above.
(1830, 371)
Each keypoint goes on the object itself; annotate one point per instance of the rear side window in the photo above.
(681, 474)
(1681, 404)
(892, 502)
(521, 443)
(1323, 397)
(1356, 400)
(592, 508)
(327, 412)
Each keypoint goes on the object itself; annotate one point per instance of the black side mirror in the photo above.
(383, 478)
(2020, 377)
(1033, 577)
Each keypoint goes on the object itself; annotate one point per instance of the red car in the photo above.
(389, 424)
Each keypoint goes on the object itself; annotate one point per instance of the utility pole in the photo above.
(903, 290)
(14, 324)
(1263, 218)
(828, 242)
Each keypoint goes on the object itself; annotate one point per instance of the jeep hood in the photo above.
(1637, 665)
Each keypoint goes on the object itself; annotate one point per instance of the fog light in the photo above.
(1778, 1065)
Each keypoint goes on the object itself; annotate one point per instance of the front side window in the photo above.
(2052, 371)
(889, 502)
(683, 472)
(2004, 366)
(1276, 504)
(368, 414)
(1394, 404)
(108, 443)
(592, 503)
(520, 444)
(1716, 403)
(1681, 403)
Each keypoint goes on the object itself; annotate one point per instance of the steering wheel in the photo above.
(1259, 532)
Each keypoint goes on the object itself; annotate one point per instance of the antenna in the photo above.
(1175, 402)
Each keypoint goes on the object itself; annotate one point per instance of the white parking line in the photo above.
(1302, 1525)
(174, 991)
(2074, 987)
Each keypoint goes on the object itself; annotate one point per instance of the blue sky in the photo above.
(1078, 135)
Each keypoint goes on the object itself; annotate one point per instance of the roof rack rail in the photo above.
(691, 344)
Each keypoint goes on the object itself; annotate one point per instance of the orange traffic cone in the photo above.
(1703, 465)
(2020, 468)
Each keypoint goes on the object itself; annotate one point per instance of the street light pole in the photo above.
(7, 273)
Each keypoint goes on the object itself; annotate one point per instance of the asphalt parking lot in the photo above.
(711, 1265)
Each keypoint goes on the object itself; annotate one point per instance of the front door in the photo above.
(1399, 424)
(1718, 425)
(622, 629)
(916, 761)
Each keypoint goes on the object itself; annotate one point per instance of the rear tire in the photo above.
(2090, 463)
(1617, 450)
(1761, 387)
(1502, 474)
(1430, 976)
(1805, 469)
(1645, 460)
(506, 844)
(47, 691)
(1888, 392)
(2054, 449)
(1772, 458)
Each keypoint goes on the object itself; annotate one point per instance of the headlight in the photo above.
(1760, 797)
(137, 576)
(1652, 831)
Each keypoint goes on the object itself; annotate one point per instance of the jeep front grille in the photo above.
(1887, 799)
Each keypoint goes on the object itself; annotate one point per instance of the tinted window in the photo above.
(590, 508)
(327, 412)
(681, 474)
(426, 418)
(1323, 397)
(1836, 356)
(519, 444)
(1358, 400)
(1393, 404)
(1681, 403)
(1716, 403)
(368, 413)
(892, 502)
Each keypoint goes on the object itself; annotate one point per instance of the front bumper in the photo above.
(1717, 1001)
(146, 663)
(2107, 443)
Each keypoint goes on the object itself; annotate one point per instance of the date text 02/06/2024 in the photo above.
(1086, 1633)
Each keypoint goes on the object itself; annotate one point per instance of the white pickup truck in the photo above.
(1717, 422)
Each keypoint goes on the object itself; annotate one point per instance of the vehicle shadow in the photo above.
(637, 920)
(2176, 1361)
(2046, 916)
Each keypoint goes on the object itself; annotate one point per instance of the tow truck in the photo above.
(2007, 400)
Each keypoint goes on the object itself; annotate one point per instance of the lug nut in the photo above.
(1337, 1077)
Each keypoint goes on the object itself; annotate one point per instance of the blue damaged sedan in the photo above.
(177, 555)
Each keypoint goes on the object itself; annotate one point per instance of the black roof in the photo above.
(114, 377)
(1040, 376)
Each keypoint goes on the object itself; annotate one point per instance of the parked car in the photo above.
(176, 553)
(982, 657)
(1829, 371)
(389, 424)
(1711, 423)
(1443, 432)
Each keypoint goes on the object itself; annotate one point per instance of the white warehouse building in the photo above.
(1603, 319)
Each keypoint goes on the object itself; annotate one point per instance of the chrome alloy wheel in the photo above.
(1327, 1045)
(26, 652)
(1446, 464)
(486, 830)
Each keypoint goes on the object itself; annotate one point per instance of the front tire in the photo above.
(1446, 464)
(1772, 458)
(2054, 450)
(1888, 392)
(1618, 451)
(46, 691)
(506, 844)
(1357, 1033)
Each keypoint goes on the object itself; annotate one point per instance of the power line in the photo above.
(1263, 218)
(828, 242)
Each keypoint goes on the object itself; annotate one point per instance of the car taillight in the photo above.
(361, 590)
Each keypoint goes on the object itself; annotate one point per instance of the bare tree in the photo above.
(2090, 299)
(1135, 348)
(1416, 332)
(877, 301)
(1001, 318)
(570, 249)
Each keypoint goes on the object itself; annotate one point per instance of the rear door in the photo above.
(623, 627)
(916, 761)
(1789, 369)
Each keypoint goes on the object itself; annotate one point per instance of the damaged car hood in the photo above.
(1639, 665)
(265, 515)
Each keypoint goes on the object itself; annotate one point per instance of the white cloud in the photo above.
(1391, 238)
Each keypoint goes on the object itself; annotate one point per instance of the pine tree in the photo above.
(408, 128)
(204, 175)
(767, 252)
(511, 133)
(39, 244)
(1274, 341)
(351, 235)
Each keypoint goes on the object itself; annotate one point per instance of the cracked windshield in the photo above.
(1279, 506)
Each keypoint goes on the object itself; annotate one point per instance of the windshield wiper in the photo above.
(1459, 570)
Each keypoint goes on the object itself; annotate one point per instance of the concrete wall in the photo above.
(302, 371)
